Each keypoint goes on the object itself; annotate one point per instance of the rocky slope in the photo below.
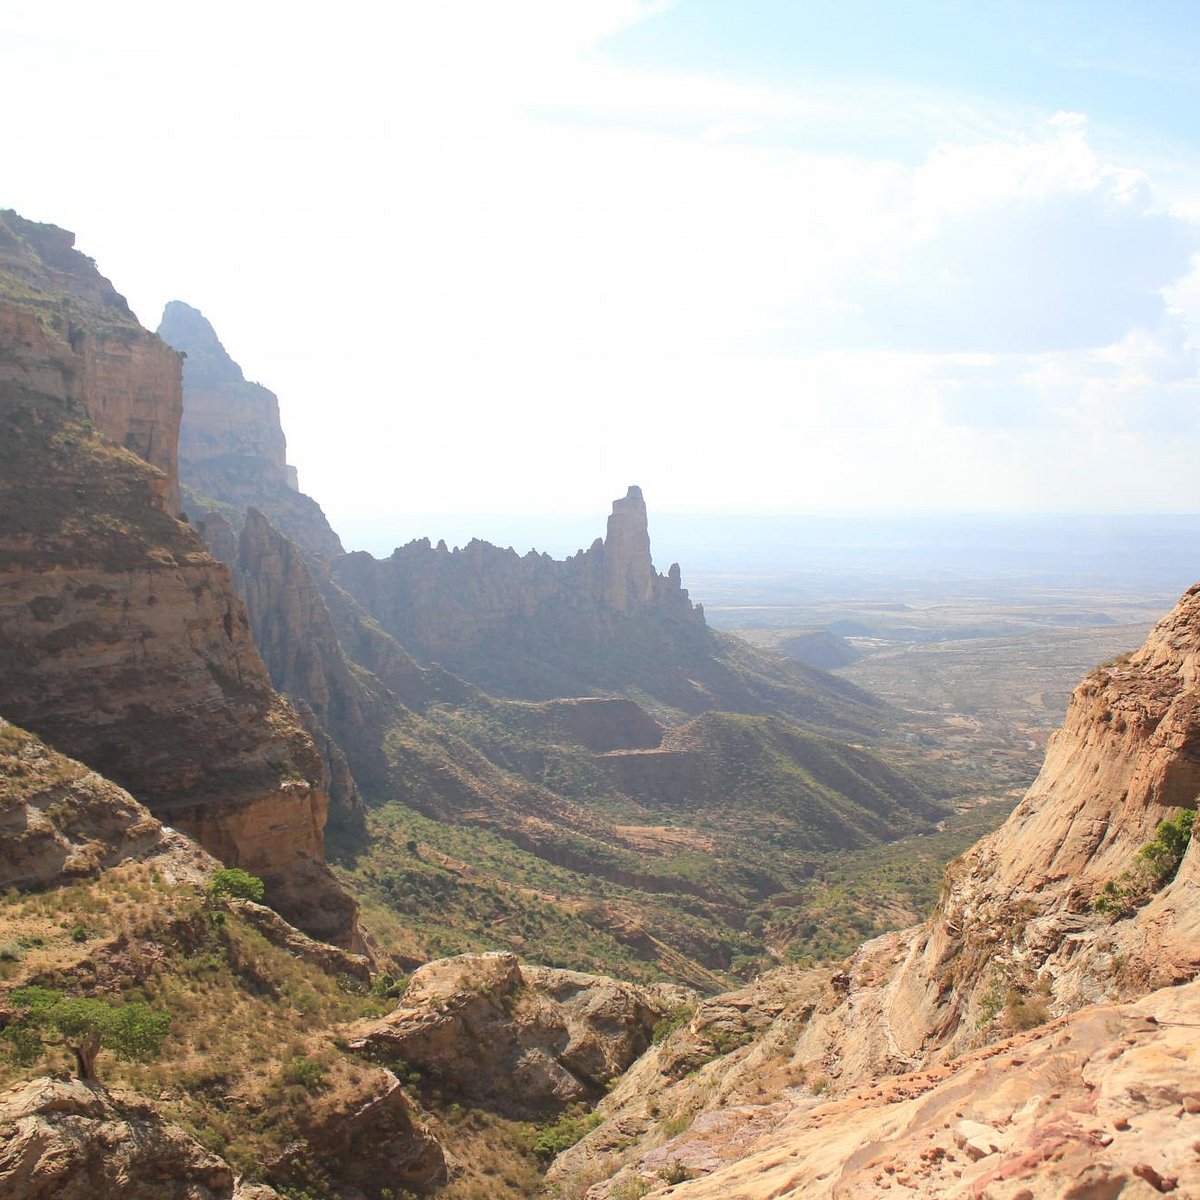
(1016, 939)
(61, 821)
(231, 443)
(122, 642)
(1102, 1103)
(68, 1140)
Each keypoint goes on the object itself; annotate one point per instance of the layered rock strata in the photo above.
(232, 447)
(65, 329)
(123, 643)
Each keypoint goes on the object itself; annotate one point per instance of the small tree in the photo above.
(86, 1026)
(235, 883)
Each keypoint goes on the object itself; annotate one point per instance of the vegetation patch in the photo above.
(1154, 866)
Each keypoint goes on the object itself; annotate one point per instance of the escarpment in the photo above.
(122, 642)
(67, 332)
(232, 447)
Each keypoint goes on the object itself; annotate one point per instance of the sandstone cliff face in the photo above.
(1015, 941)
(231, 443)
(521, 1039)
(123, 643)
(65, 328)
(1102, 1103)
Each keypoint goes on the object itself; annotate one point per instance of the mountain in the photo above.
(694, 823)
(231, 443)
(122, 642)
(603, 621)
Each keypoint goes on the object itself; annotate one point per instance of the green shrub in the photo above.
(233, 882)
(1154, 866)
(564, 1133)
(306, 1072)
(666, 1025)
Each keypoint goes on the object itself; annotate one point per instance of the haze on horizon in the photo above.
(757, 257)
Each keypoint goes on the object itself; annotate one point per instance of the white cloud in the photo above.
(483, 264)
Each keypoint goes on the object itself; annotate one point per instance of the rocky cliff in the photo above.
(345, 708)
(1017, 939)
(122, 642)
(65, 328)
(231, 443)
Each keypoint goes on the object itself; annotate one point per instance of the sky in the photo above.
(766, 256)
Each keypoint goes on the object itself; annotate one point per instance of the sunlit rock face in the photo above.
(122, 641)
(68, 332)
(917, 1038)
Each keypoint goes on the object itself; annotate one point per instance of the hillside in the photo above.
(1076, 912)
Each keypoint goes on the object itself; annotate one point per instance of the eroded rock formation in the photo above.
(66, 330)
(524, 1040)
(231, 443)
(122, 642)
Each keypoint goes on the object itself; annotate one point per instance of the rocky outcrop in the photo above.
(1016, 941)
(231, 443)
(367, 1139)
(123, 644)
(1103, 1103)
(69, 1140)
(60, 821)
(523, 1040)
(65, 329)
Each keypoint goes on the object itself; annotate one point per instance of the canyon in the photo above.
(555, 761)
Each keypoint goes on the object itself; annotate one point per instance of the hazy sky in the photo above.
(752, 255)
